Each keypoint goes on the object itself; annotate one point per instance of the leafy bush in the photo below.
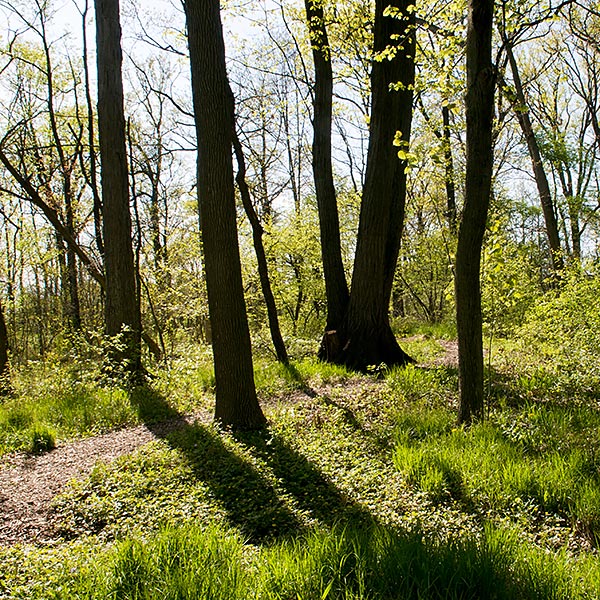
(561, 338)
(510, 281)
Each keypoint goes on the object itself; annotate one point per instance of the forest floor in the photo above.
(28, 483)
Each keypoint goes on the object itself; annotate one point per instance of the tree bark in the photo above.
(336, 287)
(92, 176)
(366, 338)
(122, 310)
(5, 385)
(236, 402)
(539, 172)
(261, 258)
(479, 102)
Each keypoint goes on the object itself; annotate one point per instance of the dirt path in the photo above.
(28, 483)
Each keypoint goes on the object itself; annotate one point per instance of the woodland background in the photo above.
(356, 479)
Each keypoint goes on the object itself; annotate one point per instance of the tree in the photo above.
(122, 308)
(479, 104)
(522, 112)
(54, 135)
(366, 338)
(5, 387)
(336, 287)
(261, 257)
(236, 402)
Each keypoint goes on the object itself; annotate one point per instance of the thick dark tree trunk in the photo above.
(480, 111)
(336, 287)
(366, 338)
(122, 311)
(236, 402)
(539, 173)
(261, 258)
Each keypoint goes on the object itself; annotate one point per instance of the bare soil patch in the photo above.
(28, 483)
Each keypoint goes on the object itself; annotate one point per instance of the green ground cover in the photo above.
(361, 487)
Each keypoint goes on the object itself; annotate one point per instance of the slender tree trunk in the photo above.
(539, 172)
(69, 280)
(366, 338)
(236, 402)
(5, 386)
(479, 102)
(574, 207)
(122, 310)
(92, 178)
(336, 287)
(74, 305)
(444, 137)
(261, 258)
(451, 213)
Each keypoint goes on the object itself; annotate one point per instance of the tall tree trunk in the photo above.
(74, 306)
(539, 172)
(336, 287)
(444, 137)
(236, 402)
(122, 311)
(69, 281)
(366, 338)
(574, 207)
(261, 258)
(92, 176)
(451, 213)
(479, 102)
(5, 386)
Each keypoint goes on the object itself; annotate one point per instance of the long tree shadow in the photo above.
(263, 507)
(314, 494)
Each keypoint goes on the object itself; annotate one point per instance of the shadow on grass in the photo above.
(262, 508)
(295, 375)
(313, 494)
(372, 561)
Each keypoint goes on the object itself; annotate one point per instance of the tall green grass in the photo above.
(546, 456)
(67, 399)
(339, 564)
(31, 420)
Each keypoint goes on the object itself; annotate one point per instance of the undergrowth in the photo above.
(362, 487)
(341, 563)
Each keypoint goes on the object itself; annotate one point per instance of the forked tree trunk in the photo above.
(236, 402)
(479, 102)
(366, 338)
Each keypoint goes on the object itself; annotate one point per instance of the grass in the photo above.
(362, 487)
(542, 459)
(341, 563)
(59, 400)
